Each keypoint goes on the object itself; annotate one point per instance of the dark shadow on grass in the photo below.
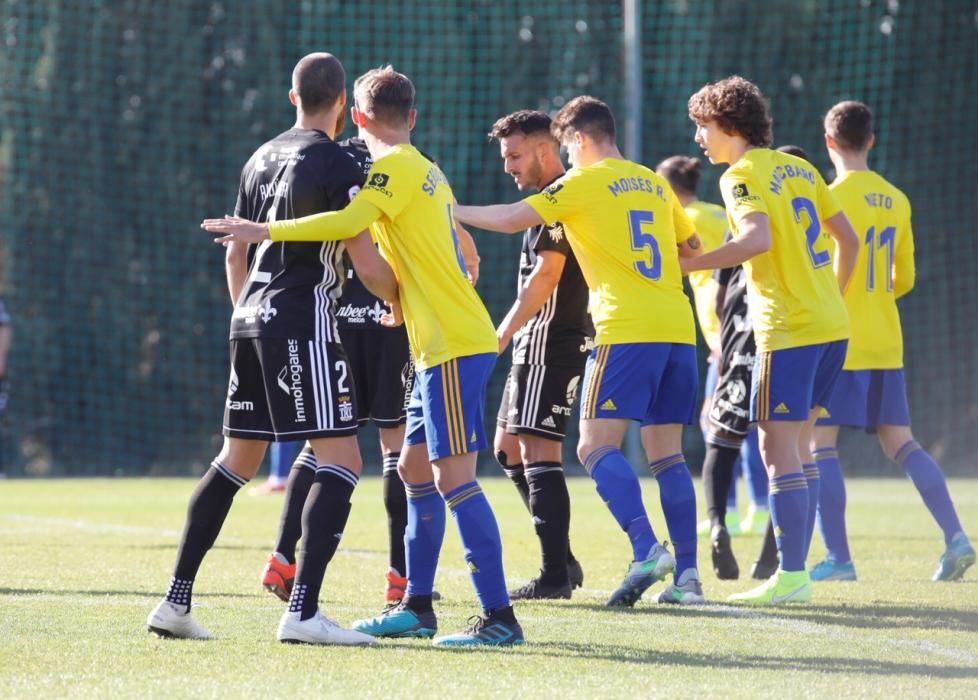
(885, 616)
(623, 654)
(98, 593)
(872, 616)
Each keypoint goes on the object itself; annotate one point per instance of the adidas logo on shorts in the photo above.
(608, 405)
(549, 422)
(781, 408)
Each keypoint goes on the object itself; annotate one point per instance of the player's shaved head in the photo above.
(526, 122)
(585, 114)
(682, 172)
(318, 80)
(737, 106)
(385, 95)
(850, 124)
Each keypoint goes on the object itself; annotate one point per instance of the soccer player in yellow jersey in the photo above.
(408, 205)
(782, 214)
(627, 230)
(724, 443)
(871, 393)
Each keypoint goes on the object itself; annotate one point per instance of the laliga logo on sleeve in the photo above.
(556, 233)
(378, 181)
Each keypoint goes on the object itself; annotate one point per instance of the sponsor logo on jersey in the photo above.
(740, 193)
(250, 314)
(587, 346)
(378, 182)
(550, 194)
(290, 380)
(359, 314)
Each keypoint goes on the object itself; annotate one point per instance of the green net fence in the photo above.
(124, 122)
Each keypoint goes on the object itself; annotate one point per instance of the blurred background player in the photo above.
(285, 318)
(408, 204)
(710, 220)
(627, 229)
(777, 205)
(551, 333)
(871, 393)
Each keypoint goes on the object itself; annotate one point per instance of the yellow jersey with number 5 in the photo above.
(444, 315)
(710, 221)
(792, 293)
(884, 271)
(623, 222)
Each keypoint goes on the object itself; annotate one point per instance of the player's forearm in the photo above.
(375, 272)
(734, 252)
(904, 274)
(327, 226)
(539, 286)
(470, 254)
(236, 268)
(504, 218)
(846, 246)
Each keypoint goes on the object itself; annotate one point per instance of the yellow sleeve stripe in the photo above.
(592, 389)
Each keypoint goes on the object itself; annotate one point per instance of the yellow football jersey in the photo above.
(710, 221)
(623, 222)
(884, 271)
(444, 315)
(792, 292)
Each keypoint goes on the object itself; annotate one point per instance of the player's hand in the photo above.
(235, 228)
(686, 265)
(472, 270)
(503, 341)
(394, 317)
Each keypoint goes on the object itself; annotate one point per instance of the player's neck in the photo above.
(380, 141)
(847, 162)
(325, 122)
(598, 152)
(549, 175)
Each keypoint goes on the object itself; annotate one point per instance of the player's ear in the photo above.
(412, 118)
(358, 117)
(829, 142)
(293, 98)
(871, 142)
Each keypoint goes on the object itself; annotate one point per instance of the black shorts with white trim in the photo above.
(538, 400)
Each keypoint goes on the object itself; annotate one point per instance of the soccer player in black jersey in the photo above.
(552, 335)
(290, 378)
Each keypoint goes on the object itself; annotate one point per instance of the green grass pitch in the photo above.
(83, 561)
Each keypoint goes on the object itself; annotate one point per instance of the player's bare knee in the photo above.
(893, 437)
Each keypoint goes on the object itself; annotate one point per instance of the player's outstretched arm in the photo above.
(847, 247)
(504, 218)
(375, 273)
(326, 226)
(534, 294)
(753, 238)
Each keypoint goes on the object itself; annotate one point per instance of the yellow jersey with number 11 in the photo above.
(884, 271)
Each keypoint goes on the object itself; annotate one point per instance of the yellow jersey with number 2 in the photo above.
(792, 292)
